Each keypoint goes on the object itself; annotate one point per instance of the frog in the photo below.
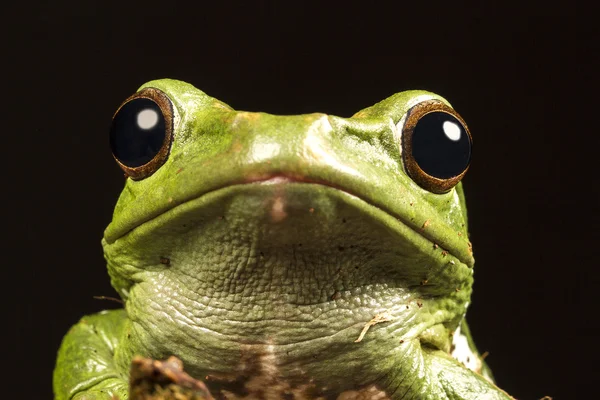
(286, 256)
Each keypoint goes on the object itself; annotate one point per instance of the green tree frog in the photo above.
(286, 257)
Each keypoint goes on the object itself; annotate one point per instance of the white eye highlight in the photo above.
(147, 119)
(452, 130)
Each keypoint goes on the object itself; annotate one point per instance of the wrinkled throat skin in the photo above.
(294, 286)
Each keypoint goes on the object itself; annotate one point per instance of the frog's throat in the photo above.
(275, 238)
(283, 180)
(290, 270)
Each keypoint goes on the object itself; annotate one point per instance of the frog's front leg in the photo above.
(427, 373)
(85, 367)
(459, 382)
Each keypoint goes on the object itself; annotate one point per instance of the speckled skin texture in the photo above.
(263, 246)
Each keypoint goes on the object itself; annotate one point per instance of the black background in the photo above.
(517, 74)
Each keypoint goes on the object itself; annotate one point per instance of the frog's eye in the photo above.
(436, 146)
(141, 131)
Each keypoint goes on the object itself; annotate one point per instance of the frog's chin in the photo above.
(289, 234)
(274, 206)
(281, 196)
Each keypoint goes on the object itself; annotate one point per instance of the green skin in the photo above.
(285, 236)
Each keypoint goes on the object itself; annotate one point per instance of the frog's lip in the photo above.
(282, 180)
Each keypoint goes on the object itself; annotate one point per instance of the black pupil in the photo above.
(137, 132)
(440, 145)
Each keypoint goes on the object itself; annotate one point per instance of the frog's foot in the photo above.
(435, 374)
(459, 382)
(85, 368)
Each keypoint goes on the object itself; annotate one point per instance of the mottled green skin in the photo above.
(285, 235)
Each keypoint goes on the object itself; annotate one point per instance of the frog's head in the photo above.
(291, 228)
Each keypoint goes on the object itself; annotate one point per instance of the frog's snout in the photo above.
(291, 146)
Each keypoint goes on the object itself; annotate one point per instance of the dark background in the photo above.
(517, 74)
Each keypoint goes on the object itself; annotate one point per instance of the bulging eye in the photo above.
(141, 131)
(436, 146)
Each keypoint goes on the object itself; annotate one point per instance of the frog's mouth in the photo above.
(275, 206)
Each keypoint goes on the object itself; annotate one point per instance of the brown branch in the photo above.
(164, 380)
